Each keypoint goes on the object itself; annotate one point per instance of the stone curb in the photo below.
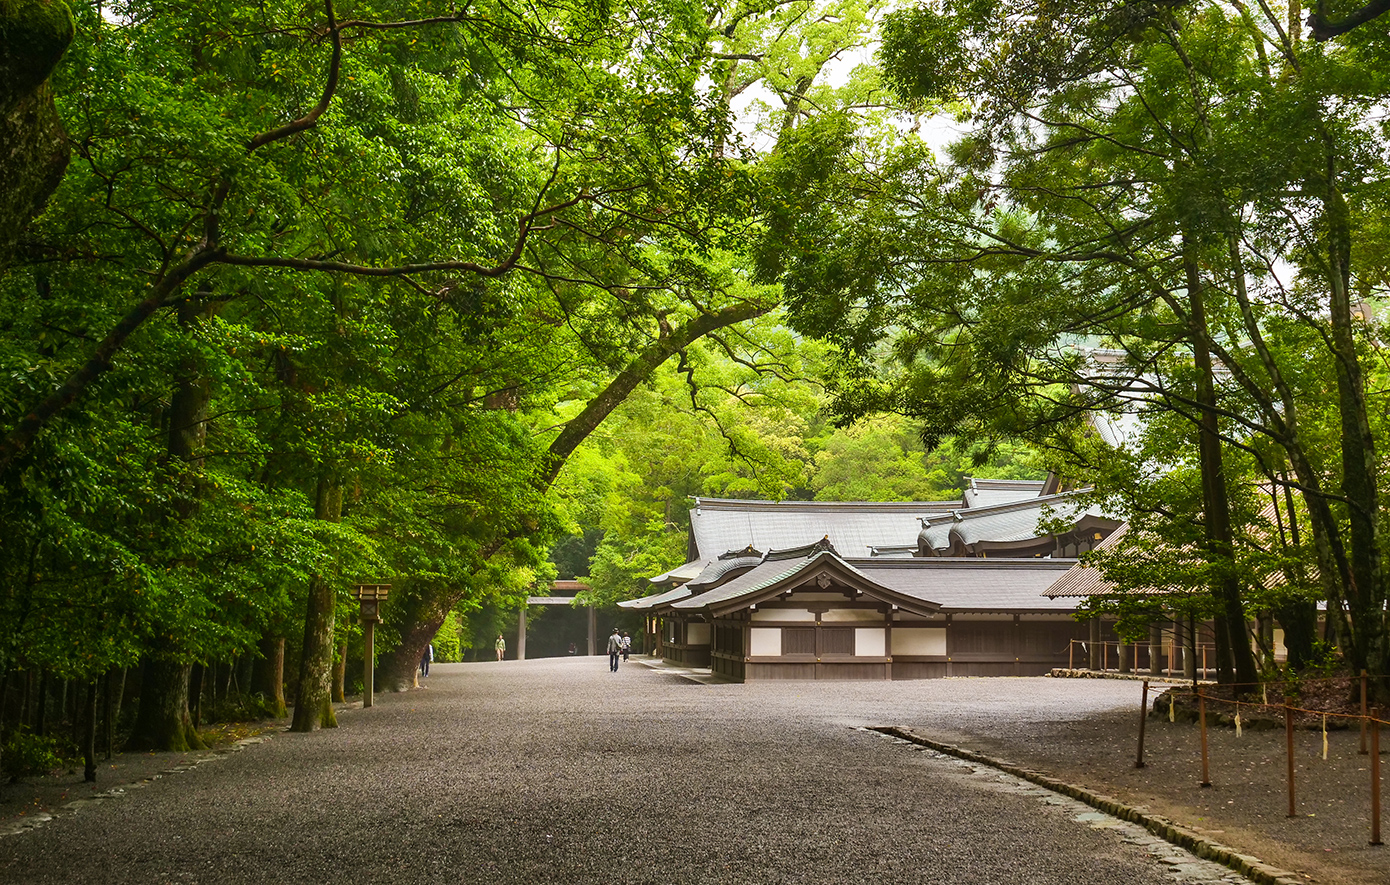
(1250, 867)
(1064, 673)
(38, 819)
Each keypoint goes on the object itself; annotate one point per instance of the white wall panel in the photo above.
(765, 640)
(853, 614)
(869, 642)
(783, 614)
(697, 634)
(919, 640)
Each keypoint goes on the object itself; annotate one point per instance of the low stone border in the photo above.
(38, 819)
(1248, 866)
(1078, 673)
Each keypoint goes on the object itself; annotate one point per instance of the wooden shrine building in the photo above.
(879, 590)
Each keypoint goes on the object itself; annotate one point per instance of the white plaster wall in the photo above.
(783, 614)
(870, 642)
(919, 640)
(765, 640)
(852, 614)
(697, 634)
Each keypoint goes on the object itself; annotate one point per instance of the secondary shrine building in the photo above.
(860, 590)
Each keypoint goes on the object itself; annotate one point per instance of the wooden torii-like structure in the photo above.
(573, 588)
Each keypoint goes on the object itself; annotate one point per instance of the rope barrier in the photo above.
(1369, 721)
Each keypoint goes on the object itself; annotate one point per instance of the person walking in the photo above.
(615, 648)
(627, 645)
(425, 659)
(501, 646)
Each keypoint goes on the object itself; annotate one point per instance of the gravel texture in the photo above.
(1246, 806)
(558, 771)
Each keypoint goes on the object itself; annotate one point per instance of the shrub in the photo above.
(29, 755)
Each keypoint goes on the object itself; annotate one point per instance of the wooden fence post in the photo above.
(1375, 779)
(1202, 717)
(1288, 736)
(1143, 717)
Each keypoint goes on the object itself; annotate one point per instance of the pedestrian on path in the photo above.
(501, 646)
(627, 644)
(615, 648)
(426, 658)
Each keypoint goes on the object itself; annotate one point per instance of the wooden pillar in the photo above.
(521, 636)
(1017, 644)
(1155, 649)
(369, 661)
(593, 627)
(1093, 647)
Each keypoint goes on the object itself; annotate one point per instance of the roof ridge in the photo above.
(1005, 507)
(752, 503)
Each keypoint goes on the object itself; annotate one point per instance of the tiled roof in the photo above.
(984, 492)
(963, 585)
(717, 570)
(681, 572)
(1084, 581)
(720, 524)
(656, 599)
(1011, 521)
(973, 585)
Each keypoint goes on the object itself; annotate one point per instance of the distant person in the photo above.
(501, 646)
(627, 644)
(426, 658)
(573, 649)
(615, 648)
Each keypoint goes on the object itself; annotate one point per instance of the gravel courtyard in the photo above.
(558, 771)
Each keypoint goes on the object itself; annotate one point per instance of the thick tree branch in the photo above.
(638, 370)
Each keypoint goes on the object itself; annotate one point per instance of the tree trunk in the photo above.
(270, 674)
(195, 693)
(1225, 583)
(163, 722)
(41, 708)
(89, 741)
(340, 673)
(115, 690)
(313, 703)
(1366, 593)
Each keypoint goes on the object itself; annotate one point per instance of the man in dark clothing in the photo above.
(615, 648)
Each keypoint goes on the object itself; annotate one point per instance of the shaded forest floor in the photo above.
(33, 799)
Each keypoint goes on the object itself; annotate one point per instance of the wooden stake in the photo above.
(1202, 717)
(1288, 735)
(1143, 717)
(1375, 780)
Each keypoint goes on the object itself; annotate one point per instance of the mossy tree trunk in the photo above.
(313, 703)
(163, 722)
(269, 680)
(34, 148)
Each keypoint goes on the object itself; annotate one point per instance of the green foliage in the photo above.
(30, 755)
(448, 644)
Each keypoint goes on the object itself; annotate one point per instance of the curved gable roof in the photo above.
(777, 576)
(723, 524)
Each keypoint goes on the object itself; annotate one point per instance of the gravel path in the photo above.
(558, 771)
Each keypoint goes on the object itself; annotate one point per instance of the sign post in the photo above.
(370, 596)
